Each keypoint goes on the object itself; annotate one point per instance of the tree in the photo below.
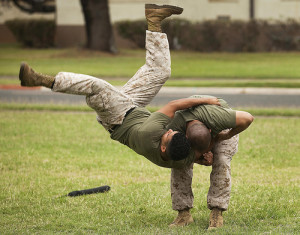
(97, 20)
(97, 24)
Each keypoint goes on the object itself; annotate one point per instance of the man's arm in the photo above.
(175, 105)
(243, 121)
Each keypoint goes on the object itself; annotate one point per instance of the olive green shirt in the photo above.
(142, 131)
(216, 118)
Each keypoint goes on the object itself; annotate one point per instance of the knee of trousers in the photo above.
(94, 102)
(222, 160)
(224, 151)
(167, 72)
(159, 73)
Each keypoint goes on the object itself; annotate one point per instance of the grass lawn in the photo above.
(281, 112)
(188, 68)
(47, 154)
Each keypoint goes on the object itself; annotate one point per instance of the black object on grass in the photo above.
(101, 189)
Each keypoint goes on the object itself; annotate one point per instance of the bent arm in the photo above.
(175, 105)
(243, 121)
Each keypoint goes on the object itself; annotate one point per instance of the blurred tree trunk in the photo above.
(97, 23)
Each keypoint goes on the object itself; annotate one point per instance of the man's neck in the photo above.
(164, 156)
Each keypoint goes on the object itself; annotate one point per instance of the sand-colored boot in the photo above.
(183, 218)
(156, 14)
(215, 219)
(29, 77)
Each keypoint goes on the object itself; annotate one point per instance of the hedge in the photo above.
(228, 36)
(38, 33)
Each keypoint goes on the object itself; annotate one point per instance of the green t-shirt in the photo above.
(216, 118)
(142, 131)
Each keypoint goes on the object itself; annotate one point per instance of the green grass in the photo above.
(283, 112)
(188, 68)
(47, 154)
(274, 83)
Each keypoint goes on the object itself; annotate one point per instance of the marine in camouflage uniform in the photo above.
(220, 179)
(217, 119)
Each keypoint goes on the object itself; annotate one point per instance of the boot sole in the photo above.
(176, 10)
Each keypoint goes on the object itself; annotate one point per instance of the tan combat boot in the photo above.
(215, 219)
(155, 14)
(29, 77)
(184, 218)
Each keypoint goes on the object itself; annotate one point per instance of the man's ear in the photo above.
(163, 148)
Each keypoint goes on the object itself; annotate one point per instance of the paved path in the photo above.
(236, 97)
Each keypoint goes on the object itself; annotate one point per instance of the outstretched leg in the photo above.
(148, 80)
(110, 104)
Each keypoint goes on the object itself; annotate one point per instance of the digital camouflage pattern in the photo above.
(110, 103)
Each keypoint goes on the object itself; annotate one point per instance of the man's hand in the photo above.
(223, 135)
(213, 101)
(206, 159)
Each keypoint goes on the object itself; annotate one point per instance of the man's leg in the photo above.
(148, 80)
(109, 103)
(182, 195)
(220, 180)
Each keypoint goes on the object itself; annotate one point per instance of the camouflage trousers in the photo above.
(220, 179)
(110, 103)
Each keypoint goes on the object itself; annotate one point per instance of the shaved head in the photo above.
(198, 135)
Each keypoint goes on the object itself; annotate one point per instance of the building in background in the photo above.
(70, 22)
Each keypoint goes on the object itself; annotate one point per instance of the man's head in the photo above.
(174, 145)
(198, 135)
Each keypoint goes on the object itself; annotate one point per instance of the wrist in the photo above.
(228, 135)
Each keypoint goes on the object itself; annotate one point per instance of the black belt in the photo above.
(115, 126)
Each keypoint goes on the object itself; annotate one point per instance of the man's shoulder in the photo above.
(141, 110)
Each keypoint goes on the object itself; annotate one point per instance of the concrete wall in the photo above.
(69, 12)
(207, 9)
(277, 9)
